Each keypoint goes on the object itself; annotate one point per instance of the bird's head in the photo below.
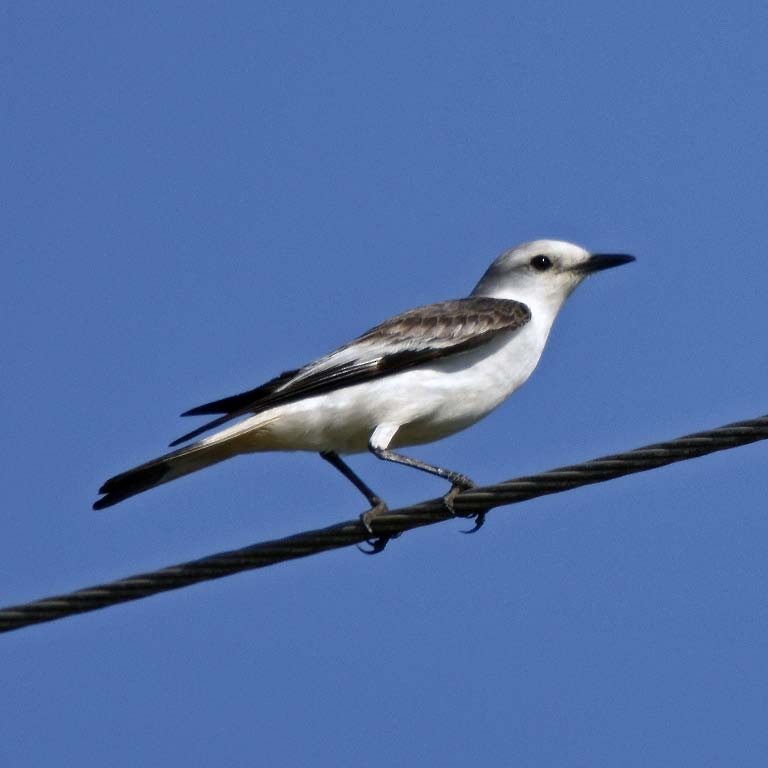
(543, 273)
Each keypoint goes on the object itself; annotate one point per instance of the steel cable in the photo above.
(475, 501)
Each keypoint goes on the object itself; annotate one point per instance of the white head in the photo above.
(543, 273)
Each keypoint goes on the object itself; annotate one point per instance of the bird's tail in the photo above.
(166, 468)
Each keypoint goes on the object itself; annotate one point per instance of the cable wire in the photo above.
(476, 501)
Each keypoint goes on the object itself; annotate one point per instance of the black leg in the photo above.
(459, 482)
(335, 460)
(378, 507)
(456, 478)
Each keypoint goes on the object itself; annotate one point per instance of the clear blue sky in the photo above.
(200, 195)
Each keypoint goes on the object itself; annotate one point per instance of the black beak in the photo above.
(600, 261)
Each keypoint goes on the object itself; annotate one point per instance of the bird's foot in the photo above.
(462, 483)
(376, 543)
(459, 483)
(479, 518)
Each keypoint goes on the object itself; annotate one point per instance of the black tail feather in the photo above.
(130, 483)
(200, 430)
(243, 400)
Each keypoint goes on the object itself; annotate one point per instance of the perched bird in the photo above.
(419, 376)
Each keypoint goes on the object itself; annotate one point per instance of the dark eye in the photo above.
(541, 263)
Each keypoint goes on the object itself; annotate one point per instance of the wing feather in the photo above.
(412, 338)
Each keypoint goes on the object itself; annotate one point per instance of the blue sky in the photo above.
(199, 195)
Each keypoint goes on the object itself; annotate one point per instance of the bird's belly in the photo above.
(463, 396)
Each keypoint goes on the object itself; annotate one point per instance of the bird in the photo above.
(420, 376)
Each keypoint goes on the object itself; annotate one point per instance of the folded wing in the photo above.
(412, 338)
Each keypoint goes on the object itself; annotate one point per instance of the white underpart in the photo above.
(415, 406)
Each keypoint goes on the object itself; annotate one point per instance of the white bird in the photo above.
(419, 376)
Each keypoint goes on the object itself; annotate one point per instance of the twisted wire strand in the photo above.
(471, 502)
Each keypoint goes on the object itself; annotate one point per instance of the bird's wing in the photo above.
(404, 341)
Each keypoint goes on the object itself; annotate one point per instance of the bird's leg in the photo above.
(459, 482)
(378, 506)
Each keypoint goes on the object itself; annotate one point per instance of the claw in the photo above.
(456, 488)
(378, 509)
(462, 483)
(376, 543)
(479, 522)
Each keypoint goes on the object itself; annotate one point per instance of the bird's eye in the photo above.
(541, 263)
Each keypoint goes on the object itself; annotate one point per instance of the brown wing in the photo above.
(404, 341)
